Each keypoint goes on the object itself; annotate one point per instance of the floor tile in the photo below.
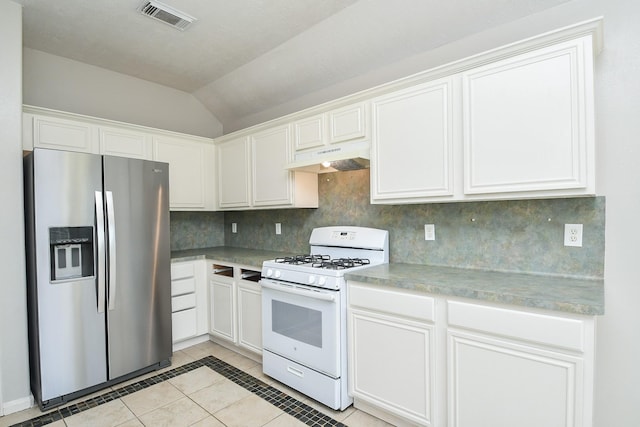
(154, 397)
(242, 362)
(219, 395)
(181, 413)
(196, 380)
(336, 415)
(131, 423)
(251, 411)
(284, 420)
(204, 349)
(210, 421)
(106, 415)
(256, 372)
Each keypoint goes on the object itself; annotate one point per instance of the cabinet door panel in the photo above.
(272, 183)
(391, 364)
(124, 143)
(63, 134)
(500, 384)
(187, 163)
(250, 317)
(309, 133)
(347, 123)
(525, 122)
(222, 309)
(233, 173)
(412, 147)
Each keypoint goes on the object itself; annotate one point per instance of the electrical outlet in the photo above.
(278, 228)
(234, 227)
(429, 232)
(573, 235)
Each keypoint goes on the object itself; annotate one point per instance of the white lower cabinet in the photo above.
(503, 366)
(188, 299)
(391, 352)
(517, 368)
(235, 304)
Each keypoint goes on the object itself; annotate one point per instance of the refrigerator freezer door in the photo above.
(69, 333)
(139, 312)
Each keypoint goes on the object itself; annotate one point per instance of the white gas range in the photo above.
(304, 310)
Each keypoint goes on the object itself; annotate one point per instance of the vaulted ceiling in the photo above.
(241, 57)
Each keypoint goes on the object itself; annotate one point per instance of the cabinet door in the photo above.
(233, 174)
(250, 316)
(528, 122)
(187, 171)
(391, 364)
(272, 182)
(347, 123)
(412, 147)
(63, 134)
(124, 143)
(222, 309)
(309, 133)
(498, 383)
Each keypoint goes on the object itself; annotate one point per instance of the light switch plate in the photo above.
(278, 228)
(429, 232)
(234, 227)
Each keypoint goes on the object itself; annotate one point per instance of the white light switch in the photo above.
(278, 228)
(429, 232)
(234, 227)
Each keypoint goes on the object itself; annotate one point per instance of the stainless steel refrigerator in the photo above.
(98, 271)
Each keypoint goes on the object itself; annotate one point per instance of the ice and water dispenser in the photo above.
(71, 252)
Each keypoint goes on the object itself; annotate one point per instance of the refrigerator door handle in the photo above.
(111, 230)
(101, 251)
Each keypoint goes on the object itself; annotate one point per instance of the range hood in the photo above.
(331, 158)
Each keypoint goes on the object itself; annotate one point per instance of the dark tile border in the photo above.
(281, 400)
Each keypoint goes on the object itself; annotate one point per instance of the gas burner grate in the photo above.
(303, 259)
(341, 263)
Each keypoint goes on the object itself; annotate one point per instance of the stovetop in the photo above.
(323, 261)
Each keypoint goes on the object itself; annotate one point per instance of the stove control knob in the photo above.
(269, 272)
(277, 275)
(312, 280)
(322, 281)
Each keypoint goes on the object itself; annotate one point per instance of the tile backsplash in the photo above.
(523, 236)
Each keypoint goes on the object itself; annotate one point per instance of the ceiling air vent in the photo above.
(166, 14)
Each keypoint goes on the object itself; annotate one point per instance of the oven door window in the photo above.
(303, 329)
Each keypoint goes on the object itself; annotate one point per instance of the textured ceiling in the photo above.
(244, 56)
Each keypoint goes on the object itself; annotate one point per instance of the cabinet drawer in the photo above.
(184, 324)
(403, 303)
(183, 286)
(183, 302)
(539, 328)
(182, 270)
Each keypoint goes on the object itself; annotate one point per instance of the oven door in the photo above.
(302, 323)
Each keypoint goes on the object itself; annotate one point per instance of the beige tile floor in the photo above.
(201, 398)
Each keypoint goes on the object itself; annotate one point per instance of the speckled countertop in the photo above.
(570, 295)
(243, 256)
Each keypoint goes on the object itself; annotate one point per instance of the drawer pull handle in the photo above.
(296, 372)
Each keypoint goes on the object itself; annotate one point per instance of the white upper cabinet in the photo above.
(190, 172)
(125, 143)
(348, 123)
(271, 151)
(252, 173)
(234, 174)
(338, 125)
(528, 122)
(412, 146)
(59, 134)
(310, 132)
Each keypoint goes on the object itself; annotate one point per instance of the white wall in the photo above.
(63, 84)
(14, 356)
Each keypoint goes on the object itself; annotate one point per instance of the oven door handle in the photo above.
(297, 291)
